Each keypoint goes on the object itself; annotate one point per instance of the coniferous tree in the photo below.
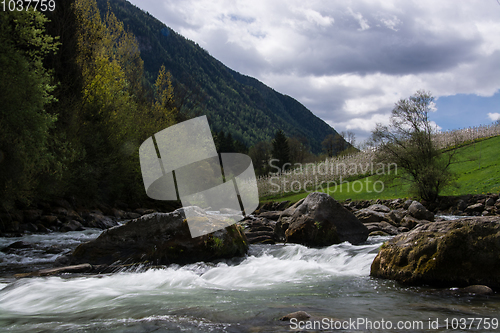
(281, 151)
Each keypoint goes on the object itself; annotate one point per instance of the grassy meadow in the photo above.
(476, 167)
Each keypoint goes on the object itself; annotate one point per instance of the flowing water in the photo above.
(250, 294)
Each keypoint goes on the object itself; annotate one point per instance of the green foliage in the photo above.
(226, 144)
(114, 114)
(407, 141)
(26, 88)
(72, 121)
(477, 170)
(281, 150)
(240, 105)
(164, 92)
(260, 154)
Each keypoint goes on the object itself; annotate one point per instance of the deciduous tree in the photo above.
(26, 89)
(407, 141)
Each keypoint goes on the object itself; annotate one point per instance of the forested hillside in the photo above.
(82, 88)
(74, 106)
(234, 103)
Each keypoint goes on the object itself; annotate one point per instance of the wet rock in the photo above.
(260, 237)
(54, 249)
(379, 208)
(445, 254)
(260, 231)
(410, 222)
(378, 233)
(132, 215)
(384, 227)
(407, 204)
(30, 227)
(119, 214)
(60, 211)
(82, 268)
(476, 208)
(418, 211)
(461, 205)
(397, 215)
(41, 228)
(72, 226)
(280, 229)
(161, 238)
(367, 215)
(291, 210)
(16, 246)
(299, 315)
(100, 221)
(322, 221)
(144, 211)
(272, 215)
(282, 205)
(487, 213)
(489, 202)
(477, 290)
(63, 203)
(397, 203)
(48, 220)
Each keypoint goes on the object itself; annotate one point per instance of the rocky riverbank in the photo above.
(428, 249)
(62, 216)
(381, 217)
(315, 221)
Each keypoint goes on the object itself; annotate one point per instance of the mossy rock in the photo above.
(160, 239)
(455, 253)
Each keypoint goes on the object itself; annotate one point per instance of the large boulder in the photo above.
(374, 213)
(454, 253)
(418, 211)
(161, 238)
(321, 221)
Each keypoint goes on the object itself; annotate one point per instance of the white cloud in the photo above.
(348, 61)
(359, 17)
(494, 116)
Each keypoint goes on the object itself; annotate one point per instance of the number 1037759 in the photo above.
(21, 5)
(472, 323)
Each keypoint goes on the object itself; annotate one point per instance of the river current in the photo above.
(249, 294)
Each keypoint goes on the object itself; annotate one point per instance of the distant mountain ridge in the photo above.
(235, 103)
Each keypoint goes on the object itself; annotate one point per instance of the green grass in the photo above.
(477, 168)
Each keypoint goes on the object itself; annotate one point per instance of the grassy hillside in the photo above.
(477, 168)
(233, 103)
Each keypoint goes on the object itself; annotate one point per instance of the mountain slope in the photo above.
(234, 103)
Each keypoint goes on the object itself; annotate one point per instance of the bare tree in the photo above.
(351, 138)
(407, 141)
(260, 154)
(299, 152)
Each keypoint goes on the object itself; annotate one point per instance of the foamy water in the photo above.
(243, 295)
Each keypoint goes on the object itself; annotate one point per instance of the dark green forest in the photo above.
(234, 103)
(83, 86)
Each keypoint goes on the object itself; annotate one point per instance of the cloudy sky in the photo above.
(349, 61)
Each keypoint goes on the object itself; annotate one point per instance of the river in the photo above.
(250, 294)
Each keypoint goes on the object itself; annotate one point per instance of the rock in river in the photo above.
(160, 238)
(455, 253)
(321, 221)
